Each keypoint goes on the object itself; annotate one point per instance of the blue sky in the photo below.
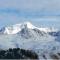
(39, 12)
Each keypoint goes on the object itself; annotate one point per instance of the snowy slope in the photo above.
(14, 29)
(43, 41)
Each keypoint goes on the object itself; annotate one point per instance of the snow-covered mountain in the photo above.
(43, 41)
(14, 29)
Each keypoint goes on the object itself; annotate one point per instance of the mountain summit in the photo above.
(14, 29)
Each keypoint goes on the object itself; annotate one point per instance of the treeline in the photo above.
(17, 53)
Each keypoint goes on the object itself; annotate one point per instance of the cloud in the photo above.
(30, 7)
(15, 11)
(33, 5)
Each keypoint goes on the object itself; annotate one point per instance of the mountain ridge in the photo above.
(14, 29)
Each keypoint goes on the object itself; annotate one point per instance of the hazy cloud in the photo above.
(32, 5)
(12, 11)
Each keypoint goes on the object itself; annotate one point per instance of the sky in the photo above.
(39, 12)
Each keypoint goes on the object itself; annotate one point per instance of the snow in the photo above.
(17, 28)
(14, 29)
(29, 25)
(27, 36)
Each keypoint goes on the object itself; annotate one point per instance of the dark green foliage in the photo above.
(17, 53)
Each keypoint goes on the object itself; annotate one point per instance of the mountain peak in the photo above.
(28, 25)
(14, 29)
